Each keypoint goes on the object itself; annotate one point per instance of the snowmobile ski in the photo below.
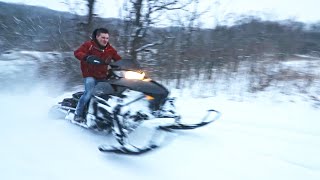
(158, 137)
(206, 120)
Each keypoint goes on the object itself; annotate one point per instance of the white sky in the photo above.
(305, 11)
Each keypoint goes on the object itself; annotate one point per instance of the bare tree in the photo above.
(189, 22)
(141, 16)
(90, 13)
(85, 26)
(80, 24)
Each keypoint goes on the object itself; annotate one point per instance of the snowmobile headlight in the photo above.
(134, 75)
(149, 97)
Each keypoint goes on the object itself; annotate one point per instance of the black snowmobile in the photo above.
(125, 100)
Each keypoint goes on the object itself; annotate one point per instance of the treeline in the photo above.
(36, 28)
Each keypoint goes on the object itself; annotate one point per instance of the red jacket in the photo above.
(91, 48)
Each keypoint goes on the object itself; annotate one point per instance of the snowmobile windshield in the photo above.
(126, 64)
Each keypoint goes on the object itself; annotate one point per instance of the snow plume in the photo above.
(24, 71)
(25, 106)
(29, 80)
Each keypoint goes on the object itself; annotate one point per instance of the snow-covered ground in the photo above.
(257, 139)
(264, 136)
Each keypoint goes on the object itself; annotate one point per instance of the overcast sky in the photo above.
(300, 10)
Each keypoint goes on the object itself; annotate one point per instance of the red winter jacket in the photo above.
(93, 70)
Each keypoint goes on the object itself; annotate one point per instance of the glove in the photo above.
(91, 59)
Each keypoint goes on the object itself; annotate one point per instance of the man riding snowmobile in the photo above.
(95, 56)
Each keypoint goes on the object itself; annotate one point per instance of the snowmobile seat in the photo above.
(69, 102)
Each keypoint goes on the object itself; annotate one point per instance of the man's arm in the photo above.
(82, 52)
(116, 56)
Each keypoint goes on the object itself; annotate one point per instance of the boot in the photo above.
(78, 118)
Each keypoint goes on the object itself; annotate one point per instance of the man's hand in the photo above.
(91, 59)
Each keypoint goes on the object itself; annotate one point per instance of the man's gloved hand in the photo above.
(91, 59)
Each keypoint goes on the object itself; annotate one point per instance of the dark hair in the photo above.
(98, 31)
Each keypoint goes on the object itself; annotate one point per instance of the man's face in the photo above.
(103, 39)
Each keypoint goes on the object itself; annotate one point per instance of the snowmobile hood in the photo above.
(148, 87)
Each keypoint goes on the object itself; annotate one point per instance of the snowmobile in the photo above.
(124, 101)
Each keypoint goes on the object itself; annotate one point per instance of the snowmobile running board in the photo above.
(129, 149)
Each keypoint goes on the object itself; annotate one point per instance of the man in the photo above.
(94, 56)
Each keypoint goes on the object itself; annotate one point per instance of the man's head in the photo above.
(101, 36)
